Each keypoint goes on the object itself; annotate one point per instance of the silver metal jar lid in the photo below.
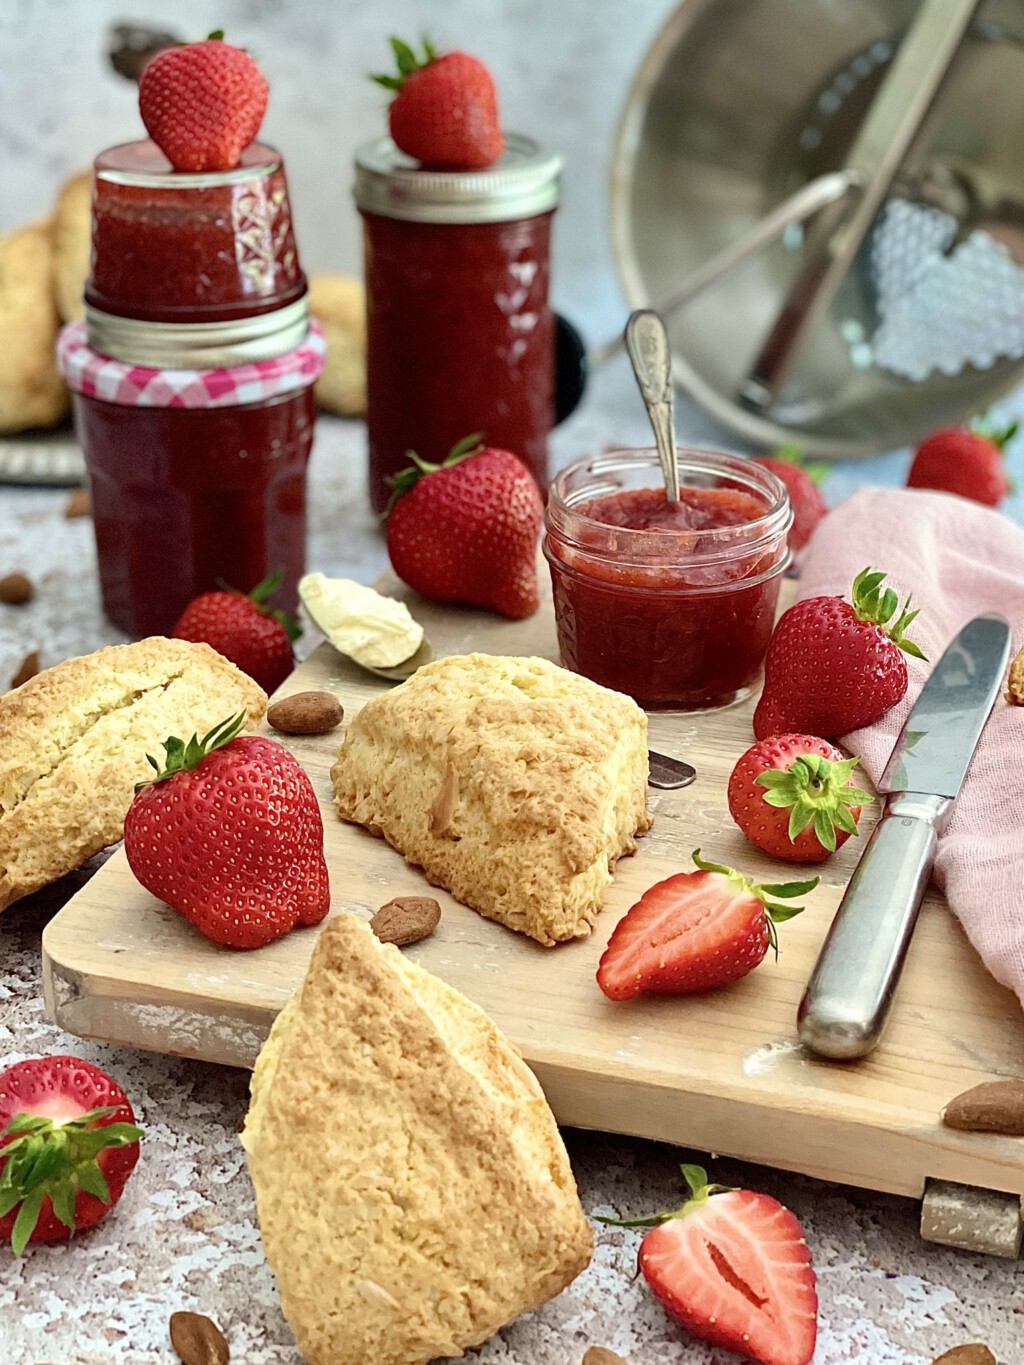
(198, 345)
(524, 183)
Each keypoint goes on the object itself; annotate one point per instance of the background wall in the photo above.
(562, 69)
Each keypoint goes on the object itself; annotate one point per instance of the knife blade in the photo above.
(849, 995)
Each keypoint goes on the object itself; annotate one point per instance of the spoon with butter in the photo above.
(376, 632)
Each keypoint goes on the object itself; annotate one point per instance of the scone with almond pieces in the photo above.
(412, 1188)
(74, 740)
(513, 783)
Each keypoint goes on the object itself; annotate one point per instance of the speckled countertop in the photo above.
(185, 1236)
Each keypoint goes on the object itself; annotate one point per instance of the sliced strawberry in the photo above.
(733, 1267)
(695, 931)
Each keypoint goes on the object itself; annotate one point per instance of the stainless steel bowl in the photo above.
(735, 107)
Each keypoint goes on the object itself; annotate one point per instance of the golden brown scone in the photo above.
(514, 783)
(32, 393)
(74, 740)
(339, 303)
(72, 242)
(412, 1188)
(1015, 682)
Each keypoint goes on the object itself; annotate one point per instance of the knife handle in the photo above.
(849, 995)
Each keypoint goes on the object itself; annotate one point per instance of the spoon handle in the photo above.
(648, 347)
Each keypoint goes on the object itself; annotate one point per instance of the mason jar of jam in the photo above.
(672, 603)
(460, 333)
(192, 380)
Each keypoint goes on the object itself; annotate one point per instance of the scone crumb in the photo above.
(406, 919)
(79, 504)
(445, 801)
(1015, 682)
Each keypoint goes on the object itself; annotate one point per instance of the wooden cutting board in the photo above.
(721, 1073)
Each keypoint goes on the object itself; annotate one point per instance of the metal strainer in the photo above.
(826, 201)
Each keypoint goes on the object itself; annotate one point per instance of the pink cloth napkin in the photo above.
(957, 558)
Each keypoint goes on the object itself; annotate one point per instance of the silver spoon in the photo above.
(647, 344)
(399, 672)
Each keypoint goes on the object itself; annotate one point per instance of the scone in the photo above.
(74, 740)
(338, 302)
(1015, 682)
(412, 1188)
(32, 393)
(72, 241)
(514, 783)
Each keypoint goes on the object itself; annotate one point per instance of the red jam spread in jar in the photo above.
(670, 603)
(460, 334)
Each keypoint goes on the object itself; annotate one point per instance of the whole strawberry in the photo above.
(255, 638)
(732, 1267)
(804, 494)
(792, 796)
(202, 103)
(68, 1143)
(833, 666)
(466, 530)
(965, 461)
(694, 932)
(445, 111)
(229, 834)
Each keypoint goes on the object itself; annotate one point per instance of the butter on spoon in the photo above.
(372, 630)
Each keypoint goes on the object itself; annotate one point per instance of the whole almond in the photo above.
(600, 1355)
(78, 505)
(28, 668)
(16, 588)
(992, 1107)
(406, 920)
(971, 1354)
(198, 1340)
(306, 713)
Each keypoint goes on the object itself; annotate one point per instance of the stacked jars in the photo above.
(192, 378)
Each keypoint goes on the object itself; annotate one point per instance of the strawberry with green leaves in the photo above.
(695, 931)
(68, 1143)
(445, 110)
(466, 530)
(834, 666)
(229, 834)
(202, 103)
(794, 797)
(256, 638)
(732, 1266)
(967, 461)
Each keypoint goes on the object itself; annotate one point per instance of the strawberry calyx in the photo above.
(995, 434)
(258, 596)
(876, 607)
(56, 1158)
(794, 455)
(700, 1192)
(408, 62)
(179, 757)
(410, 476)
(774, 912)
(814, 789)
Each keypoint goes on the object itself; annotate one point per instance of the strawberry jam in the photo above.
(670, 603)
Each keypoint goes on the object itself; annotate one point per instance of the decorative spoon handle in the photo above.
(647, 344)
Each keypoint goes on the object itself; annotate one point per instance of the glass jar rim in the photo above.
(257, 160)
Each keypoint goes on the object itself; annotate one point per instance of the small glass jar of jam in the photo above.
(672, 603)
(460, 334)
(192, 380)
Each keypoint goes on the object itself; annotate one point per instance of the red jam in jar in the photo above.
(460, 334)
(670, 603)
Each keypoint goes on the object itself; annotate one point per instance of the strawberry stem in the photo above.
(407, 62)
(774, 912)
(873, 605)
(258, 595)
(700, 1191)
(409, 477)
(814, 790)
(180, 757)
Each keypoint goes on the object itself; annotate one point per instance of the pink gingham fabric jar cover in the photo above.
(87, 372)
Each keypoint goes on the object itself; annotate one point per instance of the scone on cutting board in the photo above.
(513, 783)
(74, 740)
(413, 1191)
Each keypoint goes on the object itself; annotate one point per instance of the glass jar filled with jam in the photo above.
(192, 380)
(460, 333)
(672, 603)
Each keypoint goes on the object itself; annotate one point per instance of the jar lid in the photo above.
(198, 345)
(525, 182)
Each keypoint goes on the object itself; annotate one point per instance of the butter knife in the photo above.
(850, 992)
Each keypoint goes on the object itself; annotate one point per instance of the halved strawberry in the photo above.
(695, 931)
(733, 1267)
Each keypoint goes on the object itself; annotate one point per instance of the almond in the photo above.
(198, 1340)
(28, 668)
(306, 713)
(600, 1355)
(16, 588)
(406, 920)
(992, 1107)
(971, 1354)
(78, 505)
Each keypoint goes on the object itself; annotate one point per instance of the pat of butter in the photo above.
(358, 621)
